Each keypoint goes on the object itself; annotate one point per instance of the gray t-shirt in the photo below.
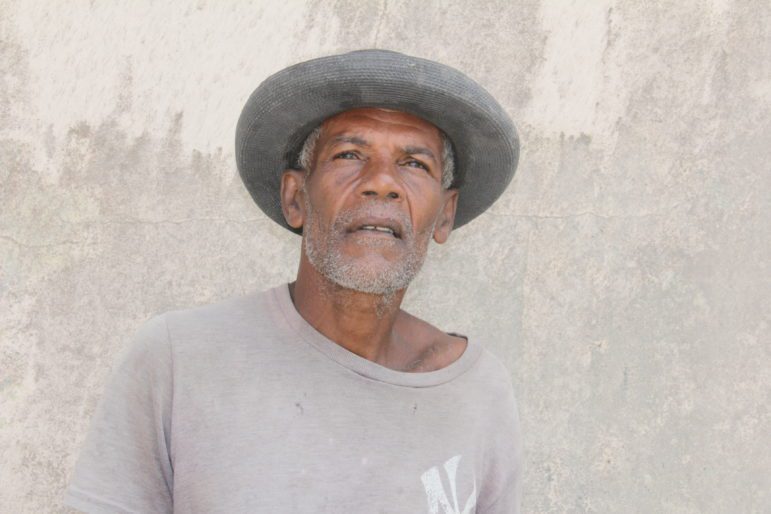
(242, 406)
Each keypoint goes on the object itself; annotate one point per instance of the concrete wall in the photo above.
(623, 278)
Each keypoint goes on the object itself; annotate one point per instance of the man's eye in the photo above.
(416, 164)
(346, 155)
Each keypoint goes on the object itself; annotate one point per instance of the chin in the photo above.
(372, 265)
(369, 275)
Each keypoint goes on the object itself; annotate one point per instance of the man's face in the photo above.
(373, 199)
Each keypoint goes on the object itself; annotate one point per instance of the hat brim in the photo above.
(288, 105)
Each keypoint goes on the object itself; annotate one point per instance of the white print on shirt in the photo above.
(437, 496)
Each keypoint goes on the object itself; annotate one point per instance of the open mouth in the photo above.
(380, 228)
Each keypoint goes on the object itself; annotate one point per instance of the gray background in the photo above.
(623, 277)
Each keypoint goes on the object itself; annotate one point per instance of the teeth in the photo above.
(379, 229)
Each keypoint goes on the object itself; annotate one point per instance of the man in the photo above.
(323, 395)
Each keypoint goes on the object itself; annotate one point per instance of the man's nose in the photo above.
(380, 178)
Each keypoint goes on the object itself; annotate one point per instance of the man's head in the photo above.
(371, 194)
(295, 115)
(393, 151)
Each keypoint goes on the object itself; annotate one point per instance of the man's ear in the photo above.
(292, 204)
(447, 216)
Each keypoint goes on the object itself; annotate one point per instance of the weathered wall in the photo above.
(623, 277)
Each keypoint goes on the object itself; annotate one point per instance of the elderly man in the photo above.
(323, 395)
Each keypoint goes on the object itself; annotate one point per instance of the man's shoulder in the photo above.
(497, 373)
(499, 386)
(230, 310)
(232, 318)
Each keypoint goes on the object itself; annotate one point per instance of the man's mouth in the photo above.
(385, 227)
(377, 228)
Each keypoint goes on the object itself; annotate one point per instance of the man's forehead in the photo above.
(372, 118)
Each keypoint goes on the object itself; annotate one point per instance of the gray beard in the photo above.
(323, 251)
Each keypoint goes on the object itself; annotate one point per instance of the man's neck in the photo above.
(362, 323)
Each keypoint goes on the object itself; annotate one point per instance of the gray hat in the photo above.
(288, 105)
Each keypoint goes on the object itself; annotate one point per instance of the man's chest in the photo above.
(301, 445)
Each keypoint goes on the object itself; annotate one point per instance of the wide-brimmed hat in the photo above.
(288, 105)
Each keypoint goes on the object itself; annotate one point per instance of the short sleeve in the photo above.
(502, 492)
(125, 464)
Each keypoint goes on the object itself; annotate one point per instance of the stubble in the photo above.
(323, 248)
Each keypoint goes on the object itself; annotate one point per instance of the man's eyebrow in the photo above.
(354, 140)
(419, 150)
